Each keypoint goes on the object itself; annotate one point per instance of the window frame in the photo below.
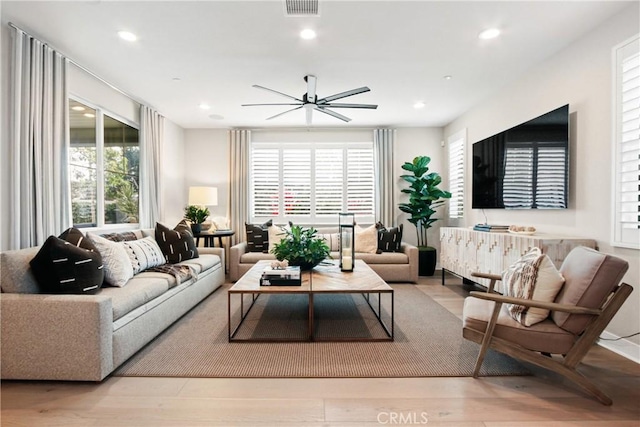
(100, 167)
(313, 218)
(620, 237)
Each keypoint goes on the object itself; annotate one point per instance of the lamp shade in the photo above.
(203, 196)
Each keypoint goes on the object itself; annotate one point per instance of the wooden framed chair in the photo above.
(588, 300)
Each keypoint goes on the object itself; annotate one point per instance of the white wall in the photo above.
(206, 163)
(174, 165)
(580, 76)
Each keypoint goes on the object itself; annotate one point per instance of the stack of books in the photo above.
(289, 276)
(490, 227)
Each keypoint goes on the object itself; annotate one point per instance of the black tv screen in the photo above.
(525, 167)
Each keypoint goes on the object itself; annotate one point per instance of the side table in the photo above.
(209, 237)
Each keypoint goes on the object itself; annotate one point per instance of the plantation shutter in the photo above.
(360, 183)
(311, 183)
(456, 174)
(626, 224)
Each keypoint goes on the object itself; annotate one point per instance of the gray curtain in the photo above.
(384, 175)
(151, 143)
(40, 196)
(238, 213)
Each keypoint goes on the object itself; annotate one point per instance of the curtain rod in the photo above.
(83, 68)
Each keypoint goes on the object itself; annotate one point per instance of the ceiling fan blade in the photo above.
(339, 105)
(311, 88)
(333, 113)
(255, 105)
(344, 94)
(309, 115)
(284, 112)
(279, 93)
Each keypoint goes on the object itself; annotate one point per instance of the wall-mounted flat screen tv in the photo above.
(525, 167)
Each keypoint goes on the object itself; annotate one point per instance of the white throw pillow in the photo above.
(144, 253)
(117, 266)
(366, 239)
(532, 277)
(276, 234)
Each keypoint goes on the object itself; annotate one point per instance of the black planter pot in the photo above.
(427, 261)
(196, 228)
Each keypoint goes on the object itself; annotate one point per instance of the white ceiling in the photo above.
(218, 49)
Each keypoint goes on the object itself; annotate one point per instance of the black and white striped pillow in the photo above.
(60, 267)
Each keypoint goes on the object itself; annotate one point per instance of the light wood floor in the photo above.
(540, 400)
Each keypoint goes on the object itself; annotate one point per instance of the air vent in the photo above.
(301, 7)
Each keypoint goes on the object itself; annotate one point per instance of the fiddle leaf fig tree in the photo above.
(424, 196)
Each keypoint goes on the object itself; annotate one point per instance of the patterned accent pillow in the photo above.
(276, 234)
(117, 266)
(61, 267)
(144, 253)
(532, 277)
(178, 244)
(366, 239)
(125, 236)
(332, 240)
(258, 236)
(389, 239)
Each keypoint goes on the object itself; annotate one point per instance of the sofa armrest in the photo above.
(235, 253)
(213, 251)
(414, 261)
(56, 337)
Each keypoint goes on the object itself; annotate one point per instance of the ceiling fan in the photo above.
(311, 102)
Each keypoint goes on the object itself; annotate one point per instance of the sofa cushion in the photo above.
(117, 266)
(253, 257)
(383, 258)
(532, 277)
(366, 239)
(144, 253)
(177, 244)
(258, 236)
(140, 290)
(16, 277)
(63, 268)
(389, 239)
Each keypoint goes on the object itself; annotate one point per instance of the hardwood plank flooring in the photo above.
(541, 400)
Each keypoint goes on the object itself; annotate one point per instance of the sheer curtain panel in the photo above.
(39, 197)
(151, 143)
(383, 161)
(238, 213)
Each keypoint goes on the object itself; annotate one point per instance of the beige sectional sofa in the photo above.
(390, 266)
(86, 337)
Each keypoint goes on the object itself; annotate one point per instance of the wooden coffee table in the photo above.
(324, 279)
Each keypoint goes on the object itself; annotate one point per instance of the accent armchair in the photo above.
(590, 297)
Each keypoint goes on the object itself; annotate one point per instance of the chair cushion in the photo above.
(545, 336)
(258, 236)
(532, 277)
(389, 239)
(590, 276)
(253, 257)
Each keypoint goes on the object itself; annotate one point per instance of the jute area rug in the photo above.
(428, 341)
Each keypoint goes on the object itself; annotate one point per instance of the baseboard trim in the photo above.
(623, 347)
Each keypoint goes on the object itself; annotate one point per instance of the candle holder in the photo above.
(346, 223)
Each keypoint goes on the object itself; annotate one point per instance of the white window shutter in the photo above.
(457, 144)
(626, 224)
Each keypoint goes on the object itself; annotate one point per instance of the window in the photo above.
(311, 183)
(104, 154)
(626, 215)
(456, 174)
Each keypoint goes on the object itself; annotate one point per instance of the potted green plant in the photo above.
(424, 198)
(300, 246)
(196, 215)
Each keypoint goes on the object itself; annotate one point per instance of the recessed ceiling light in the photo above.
(490, 33)
(308, 34)
(176, 79)
(216, 117)
(89, 115)
(419, 104)
(447, 77)
(205, 106)
(126, 35)
(77, 108)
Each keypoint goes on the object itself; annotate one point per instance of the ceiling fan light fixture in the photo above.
(308, 34)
